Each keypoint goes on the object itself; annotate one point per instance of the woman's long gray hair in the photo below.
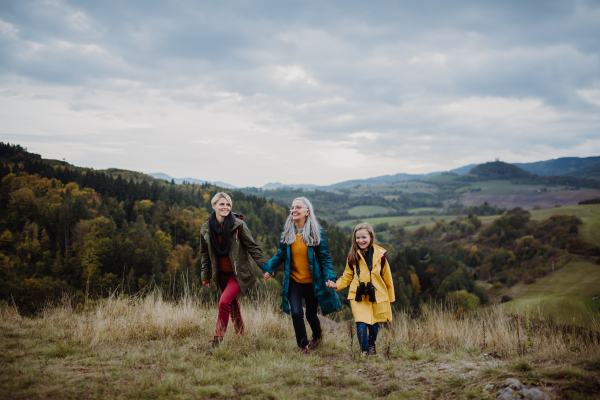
(311, 236)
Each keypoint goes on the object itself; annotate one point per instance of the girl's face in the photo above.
(222, 207)
(363, 239)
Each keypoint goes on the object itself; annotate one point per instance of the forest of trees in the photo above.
(65, 229)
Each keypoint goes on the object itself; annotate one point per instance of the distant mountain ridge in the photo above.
(179, 181)
(559, 166)
(587, 167)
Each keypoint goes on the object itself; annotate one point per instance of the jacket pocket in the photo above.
(382, 298)
(382, 310)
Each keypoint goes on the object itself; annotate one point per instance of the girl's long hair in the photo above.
(353, 256)
(311, 236)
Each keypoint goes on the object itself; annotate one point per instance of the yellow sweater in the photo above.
(300, 267)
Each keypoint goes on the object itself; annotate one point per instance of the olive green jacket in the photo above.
(243, 247)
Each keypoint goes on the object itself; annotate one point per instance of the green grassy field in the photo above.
(398, 187)
(360, 211)
(565, 294)
(589, 214)
(422, 209)
(501, 187)
(410, 222)
(413, 220)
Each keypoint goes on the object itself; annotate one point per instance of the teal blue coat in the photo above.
(320, 269)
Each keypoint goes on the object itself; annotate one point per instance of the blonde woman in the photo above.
(226, 248)
(371, 288)
(308, 273)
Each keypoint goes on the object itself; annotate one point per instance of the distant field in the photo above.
(422, 209)
(510, 196)
(442, 178)
(414, 220)
(565, 294)
(495, 188)
(359, 211)
(589, 214)
(398, 187)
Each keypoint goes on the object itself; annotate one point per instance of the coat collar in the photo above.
(236, 224)
(378, 252)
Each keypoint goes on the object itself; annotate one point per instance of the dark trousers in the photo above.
(297, 291)
(363, 338)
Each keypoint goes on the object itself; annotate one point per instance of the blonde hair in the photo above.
(353, 256)
(217, 196)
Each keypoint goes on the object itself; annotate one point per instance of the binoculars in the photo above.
(365, 290)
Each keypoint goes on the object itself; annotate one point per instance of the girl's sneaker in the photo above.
(303, 350)
(372, 349)
(364, 353)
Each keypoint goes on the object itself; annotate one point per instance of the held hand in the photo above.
(331, 284)
(266, 275)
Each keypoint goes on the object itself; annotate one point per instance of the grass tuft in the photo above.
(522, 365)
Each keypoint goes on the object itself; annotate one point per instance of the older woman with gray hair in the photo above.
(308, 272)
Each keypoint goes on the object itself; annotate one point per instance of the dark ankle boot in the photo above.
(216, 342)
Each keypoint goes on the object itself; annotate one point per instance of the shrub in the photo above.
(384, 226)
(505, 299)
(464, 299)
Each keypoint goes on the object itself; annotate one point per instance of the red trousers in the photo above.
(229, 305)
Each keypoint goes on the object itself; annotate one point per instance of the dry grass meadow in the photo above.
(146, 347)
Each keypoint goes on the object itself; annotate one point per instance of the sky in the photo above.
(250, 92)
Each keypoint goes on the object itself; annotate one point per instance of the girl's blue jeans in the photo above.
(363, 337)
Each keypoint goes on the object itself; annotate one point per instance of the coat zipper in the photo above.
(235, 266)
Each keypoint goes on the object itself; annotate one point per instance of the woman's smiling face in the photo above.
(363, 239)
(222, 207)
(299, 210)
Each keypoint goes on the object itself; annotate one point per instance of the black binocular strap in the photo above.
(380, 271)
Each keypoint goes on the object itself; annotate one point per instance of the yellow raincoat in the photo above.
(365, 311)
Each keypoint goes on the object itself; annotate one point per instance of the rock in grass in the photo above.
(514, 384)
(507, 394)
(512, 389)
(489, 387)
(533, 394)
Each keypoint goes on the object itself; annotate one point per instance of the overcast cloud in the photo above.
(250, 92)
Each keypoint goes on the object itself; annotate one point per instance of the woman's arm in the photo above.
(322, 253)
(346, 278)
(206, 272)
(251, 246)
(276, 261)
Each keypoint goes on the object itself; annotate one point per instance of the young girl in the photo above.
(371, 288)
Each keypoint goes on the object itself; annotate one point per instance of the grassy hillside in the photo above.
(409, 222)
(501, 187)
(564, 294)
(367, 211)
(589, 214)
(145, 347)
